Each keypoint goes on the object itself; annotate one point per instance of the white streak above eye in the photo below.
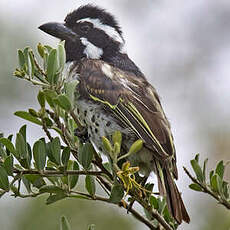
(91, 51)
(109, 30)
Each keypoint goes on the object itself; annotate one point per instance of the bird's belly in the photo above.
(101, 123)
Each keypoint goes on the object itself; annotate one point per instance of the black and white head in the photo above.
(89, 32)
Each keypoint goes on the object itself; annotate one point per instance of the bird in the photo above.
(114, 94)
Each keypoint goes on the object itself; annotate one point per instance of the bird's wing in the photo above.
(133, 100)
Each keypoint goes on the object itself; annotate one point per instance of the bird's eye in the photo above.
(85, 28)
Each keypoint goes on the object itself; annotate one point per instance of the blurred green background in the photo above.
(183, 48)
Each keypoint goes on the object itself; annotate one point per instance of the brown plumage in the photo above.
(117, 89)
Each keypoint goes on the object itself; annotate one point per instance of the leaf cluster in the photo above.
(212, 183)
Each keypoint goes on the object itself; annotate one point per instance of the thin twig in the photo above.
(46, 173)
(122, 204)
(153, 213)
(205, 189)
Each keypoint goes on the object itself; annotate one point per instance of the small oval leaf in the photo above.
(51, 189)
(39, 153)
(195, 187)
(86, 155)
(117, 194)
(63, 102)
(4, 181)
(197, 169)
(7, 143)
(90, 185)
(56, 150)
(52, 66)
(220, 169)
(136, 147)
(73, 179)
(41, 98)
(8, 165)
(27, 116)
(65, 155)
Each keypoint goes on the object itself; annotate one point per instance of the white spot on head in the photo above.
(109, 30)
(107, 70)
(91, 51)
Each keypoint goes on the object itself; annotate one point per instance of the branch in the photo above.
(153, 213)
(47, 173)
(207, 190)
(124, 205)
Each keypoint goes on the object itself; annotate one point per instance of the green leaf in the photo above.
(27, 184)
(65, 224)
(7, 143)
(48, 122)
(51, 189)
(107, 145)
(107, 166)
(36, 180)
(21, 59)
(204, 168)
(33, 112)
(61, 55)
(195, 187)
(39, 153)
(154, 202)
(63, 102)
(70, 88)
(4, 182)
(50, 95)
(214, 183)
(226, 190)
(197, 169)
(197, 157)
(211, 175)
(3, 153)
(117, 194)
(28, 64)
(220, 169)
(27, 116)
(136, 147)
(90, 185)
(22, 130)
(31, 59)
(21, 147)
(40, 49)
(52, 66)
(73, 179)
(41, 98)
(54, 198)
(65, 155)
(56, 150)
(8, 165)
(86, 155)
(117, 137)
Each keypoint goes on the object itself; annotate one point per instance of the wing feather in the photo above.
(133, 100)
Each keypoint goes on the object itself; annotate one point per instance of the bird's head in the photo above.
(89, 32)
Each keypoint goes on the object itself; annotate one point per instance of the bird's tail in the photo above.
(168, 188)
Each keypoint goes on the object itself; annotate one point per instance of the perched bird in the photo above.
(115, 95)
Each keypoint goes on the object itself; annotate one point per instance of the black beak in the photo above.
(58, 30)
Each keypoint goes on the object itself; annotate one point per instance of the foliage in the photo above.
(53, 164)
(214, 184)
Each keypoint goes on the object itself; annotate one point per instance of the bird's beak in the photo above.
(59, 30)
